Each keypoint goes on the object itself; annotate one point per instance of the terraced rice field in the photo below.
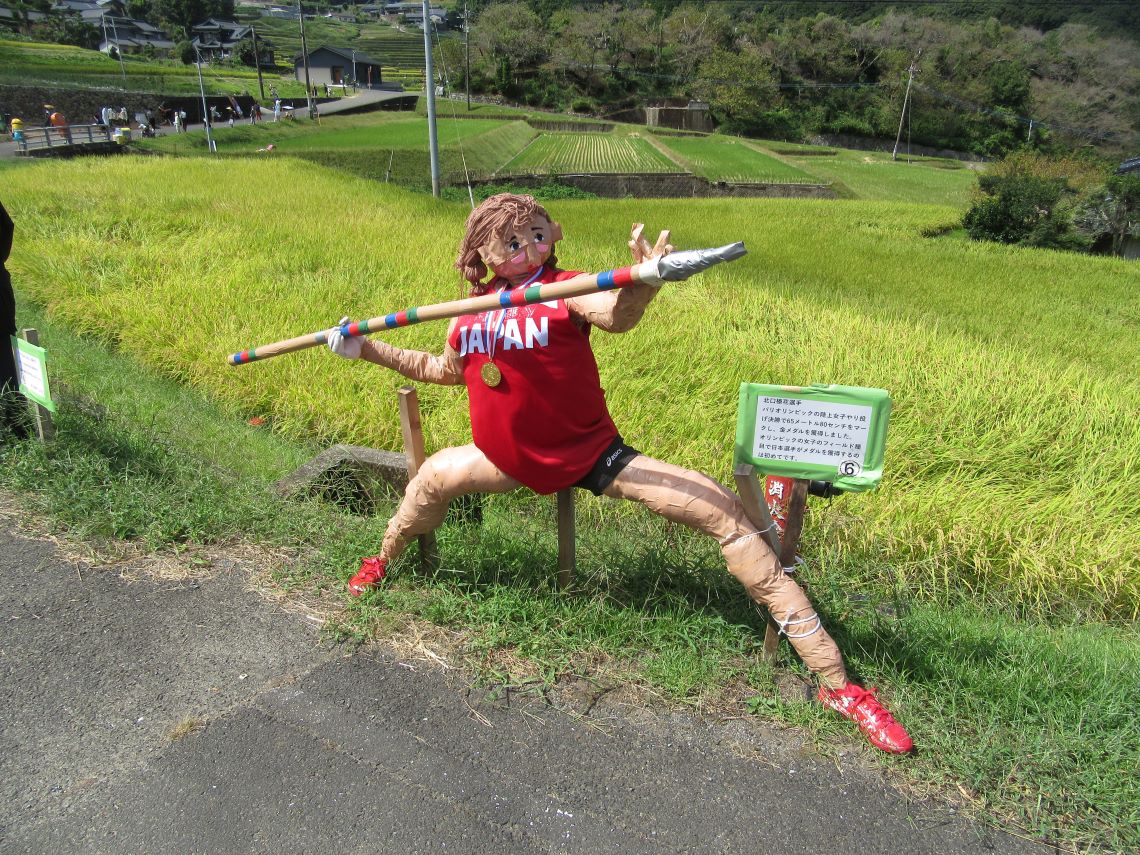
(724, 159)
(594, 153)
(876, 175)
(398, 134)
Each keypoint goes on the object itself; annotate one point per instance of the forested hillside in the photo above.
(1110, 17)
(979, 84)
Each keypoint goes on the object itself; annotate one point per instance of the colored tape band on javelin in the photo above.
(622, 276)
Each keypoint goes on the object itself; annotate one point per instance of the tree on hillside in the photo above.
(22, 9)
(513, 41)
(580, 53)
(691, 33)
(179, 16)
(1112, 213)
(1029, 200)
(740, 87)
(68, 29)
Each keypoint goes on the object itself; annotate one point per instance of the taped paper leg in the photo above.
(445, 475)
(699, 502)
(753, 562)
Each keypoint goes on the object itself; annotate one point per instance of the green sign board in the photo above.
(31, 361)
(827, 433)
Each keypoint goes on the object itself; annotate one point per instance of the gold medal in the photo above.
(491, 374)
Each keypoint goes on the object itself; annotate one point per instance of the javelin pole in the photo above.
(674, 267)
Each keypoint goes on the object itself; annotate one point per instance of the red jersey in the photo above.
(546, 422)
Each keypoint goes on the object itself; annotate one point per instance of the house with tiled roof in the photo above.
(216, 39)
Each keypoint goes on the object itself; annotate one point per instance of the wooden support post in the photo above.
(414, 452)
(565, 537)
(752, 496)
(45, 427)
(751, 491)
(794, 526)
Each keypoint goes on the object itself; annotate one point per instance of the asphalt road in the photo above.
(311, 747)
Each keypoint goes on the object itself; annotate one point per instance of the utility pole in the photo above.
(467, 53)
(906, 98)
(205, 113)
(429, 85)
(257, 63)
(305, 55)
(118, 50)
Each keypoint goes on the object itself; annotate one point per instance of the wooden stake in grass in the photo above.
(675, 267)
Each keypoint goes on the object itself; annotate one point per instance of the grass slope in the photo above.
(387, 147)
(67, 67)
(875, 175)
(1013, 443)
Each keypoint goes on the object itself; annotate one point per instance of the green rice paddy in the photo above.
(590, 152)
(875, 175)
(731, 159)
(1013, 447)
(408, 133)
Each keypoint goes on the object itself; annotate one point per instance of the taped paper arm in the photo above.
(620, 310)
(446, 370)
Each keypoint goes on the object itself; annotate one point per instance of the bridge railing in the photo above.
(40, 138)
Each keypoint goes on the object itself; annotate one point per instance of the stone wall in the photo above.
(669, 185)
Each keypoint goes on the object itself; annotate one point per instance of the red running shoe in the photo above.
(862, 707)
(371, 571)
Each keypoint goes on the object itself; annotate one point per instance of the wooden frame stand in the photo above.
(412, 429)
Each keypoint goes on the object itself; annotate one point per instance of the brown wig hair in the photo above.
(495, 216)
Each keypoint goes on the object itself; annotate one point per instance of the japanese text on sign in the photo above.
(32, 374)
(805, 431)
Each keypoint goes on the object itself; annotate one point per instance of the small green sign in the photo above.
(31, 361)
(828, 433)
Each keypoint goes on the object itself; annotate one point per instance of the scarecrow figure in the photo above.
(539, 419)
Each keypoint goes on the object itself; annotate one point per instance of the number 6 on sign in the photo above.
(828, 433)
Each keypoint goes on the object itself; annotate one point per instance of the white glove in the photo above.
(346, 346)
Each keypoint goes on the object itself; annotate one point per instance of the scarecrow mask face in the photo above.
(523, 248)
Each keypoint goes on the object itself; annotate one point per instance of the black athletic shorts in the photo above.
(607, 466)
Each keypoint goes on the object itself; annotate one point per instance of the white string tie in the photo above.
(784, 624)
(797, 562)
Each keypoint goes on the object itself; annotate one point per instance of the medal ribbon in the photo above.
(490, 348)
